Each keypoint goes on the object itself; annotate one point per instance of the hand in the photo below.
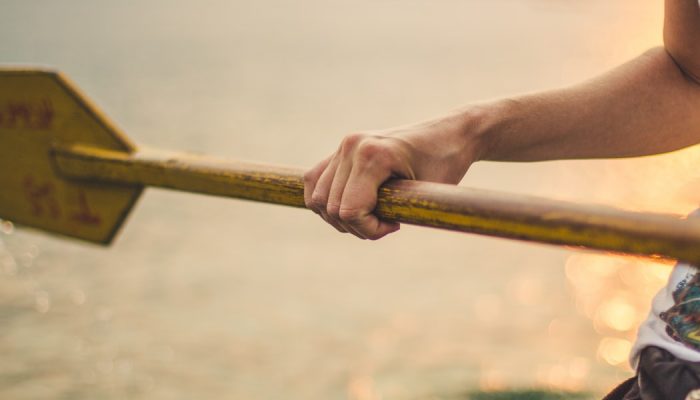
(343, 188)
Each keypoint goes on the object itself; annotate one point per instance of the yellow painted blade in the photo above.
(38, 110)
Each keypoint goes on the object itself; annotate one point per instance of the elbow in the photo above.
(687, 58)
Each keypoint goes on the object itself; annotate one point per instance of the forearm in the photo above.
(644, 107)
(650, 105)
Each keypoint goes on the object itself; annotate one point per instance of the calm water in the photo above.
(210, 298)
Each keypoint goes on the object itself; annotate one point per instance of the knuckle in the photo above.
(369, 148)
(318, 201)
(308, 177)
(333, 210)
(373, 152)
(351, 141)
(349, 215)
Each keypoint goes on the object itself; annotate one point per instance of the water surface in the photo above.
(212, 298)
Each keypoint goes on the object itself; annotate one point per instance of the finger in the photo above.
(367, 226)
(325, 217)
(357, 212)
(352, 230)
(319, 197)
(335, 196)
(332, 222)
(360, 196)
(311, 178)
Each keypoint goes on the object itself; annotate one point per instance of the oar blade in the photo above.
(38, 110)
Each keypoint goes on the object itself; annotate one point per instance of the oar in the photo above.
(66, 169)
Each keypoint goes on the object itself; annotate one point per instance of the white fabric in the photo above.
(654, 331)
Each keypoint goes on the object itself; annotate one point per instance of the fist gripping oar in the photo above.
(65, 168)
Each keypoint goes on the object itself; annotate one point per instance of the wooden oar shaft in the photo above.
(419, 203)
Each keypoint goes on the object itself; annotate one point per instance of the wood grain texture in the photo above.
(419, 203)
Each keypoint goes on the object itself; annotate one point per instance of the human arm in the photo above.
(682, 35)
(649, 105)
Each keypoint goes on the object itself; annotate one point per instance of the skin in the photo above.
(649, 105)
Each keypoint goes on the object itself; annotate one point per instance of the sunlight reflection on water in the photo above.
(204, 297)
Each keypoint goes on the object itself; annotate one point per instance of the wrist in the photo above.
(479, 128)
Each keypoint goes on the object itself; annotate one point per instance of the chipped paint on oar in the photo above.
(39, 109)
(66, 169)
